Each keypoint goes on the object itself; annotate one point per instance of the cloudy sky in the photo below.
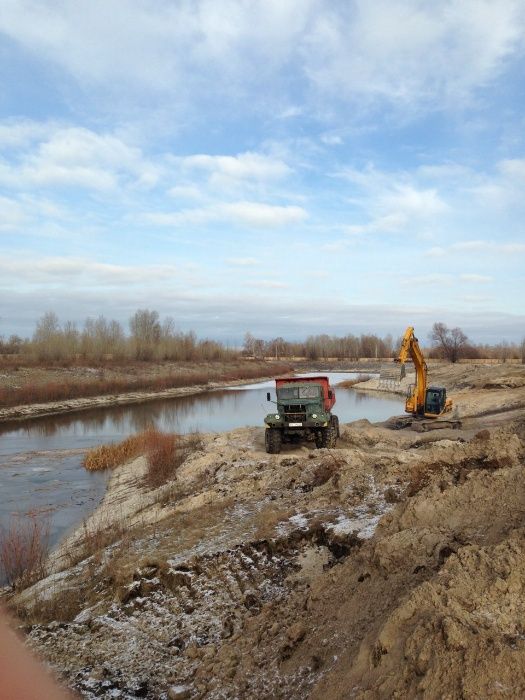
(279, 166)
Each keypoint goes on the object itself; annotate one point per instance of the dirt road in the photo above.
(392, 566)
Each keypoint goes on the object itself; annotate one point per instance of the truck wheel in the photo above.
(272, 441)
(328, 436)
(336, 425)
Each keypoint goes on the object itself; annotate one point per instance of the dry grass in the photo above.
(70, 389)
(110, 456)
(163, 455)
(165, 452)
(349, 383)
(24, 546)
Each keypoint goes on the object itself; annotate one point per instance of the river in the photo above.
(41, 460)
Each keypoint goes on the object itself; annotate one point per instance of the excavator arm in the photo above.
(415, 403)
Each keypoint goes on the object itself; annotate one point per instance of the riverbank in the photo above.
(255, 371)
(389, 566)
(237, 374)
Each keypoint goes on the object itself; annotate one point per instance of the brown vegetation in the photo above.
(24, 546)
(165, 452)
(349, 383)
(110, 456)
(102, 386)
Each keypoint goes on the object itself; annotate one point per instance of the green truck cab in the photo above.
(303, 412)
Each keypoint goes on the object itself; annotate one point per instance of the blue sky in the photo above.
(284, 167)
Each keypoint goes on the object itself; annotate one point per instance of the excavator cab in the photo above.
(435, 401)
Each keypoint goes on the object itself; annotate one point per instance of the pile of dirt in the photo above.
(392, 566)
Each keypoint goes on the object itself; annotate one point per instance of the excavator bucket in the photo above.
(391, 375)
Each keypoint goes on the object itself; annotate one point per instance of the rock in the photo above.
(179, 692)
(454, 634)
(126, 593)
(296, 632)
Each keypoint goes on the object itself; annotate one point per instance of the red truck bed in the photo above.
(329, 400)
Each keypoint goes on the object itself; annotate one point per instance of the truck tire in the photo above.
(336, 425)
(328, 436)
(273, 440)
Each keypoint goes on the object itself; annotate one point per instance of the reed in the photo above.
(349, 383)
(24, 546)
(164, 452)
(71, 389)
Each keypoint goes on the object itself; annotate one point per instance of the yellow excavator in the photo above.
(423, 400)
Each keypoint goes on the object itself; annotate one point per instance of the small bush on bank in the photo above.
(164, 452)
(163, 455)
(349, 383)
(24, 546)
(110, 456)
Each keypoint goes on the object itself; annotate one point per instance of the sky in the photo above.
(283, 167)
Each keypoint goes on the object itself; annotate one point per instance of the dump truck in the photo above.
(303, 412)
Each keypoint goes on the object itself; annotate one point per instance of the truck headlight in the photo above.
(277, 416)
(314, 415)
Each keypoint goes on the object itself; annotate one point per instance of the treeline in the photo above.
(443, 343)
(102, 339)
(148, 338)
(318, 347)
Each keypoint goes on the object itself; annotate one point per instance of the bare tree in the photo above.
(145, 331)
(450, 342)
(249, 343)
(47, 338)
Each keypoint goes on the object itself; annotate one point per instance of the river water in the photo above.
(41, 460)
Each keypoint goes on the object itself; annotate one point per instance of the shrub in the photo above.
(349, 383)
(24, 546)
(165, 452)
(110, 456)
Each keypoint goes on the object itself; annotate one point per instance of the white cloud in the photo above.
(403, 51)
(478, 246)
(513, 168)
(263, 215)
(74, 157)
(331, 139)
(17, 133)
(59, 270)
(410, 52)
(475, 278)
(243, 167)
(411, 201)
(267, 284)
(242, 262)
(433, 279)
(252, 214)
(12, 214)
(266, 315)
(389, 223)
(185, 192)
(435, 252)
(394, 202)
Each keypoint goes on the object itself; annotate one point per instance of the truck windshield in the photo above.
(299, 392)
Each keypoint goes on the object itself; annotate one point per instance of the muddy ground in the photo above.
(391, 566)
